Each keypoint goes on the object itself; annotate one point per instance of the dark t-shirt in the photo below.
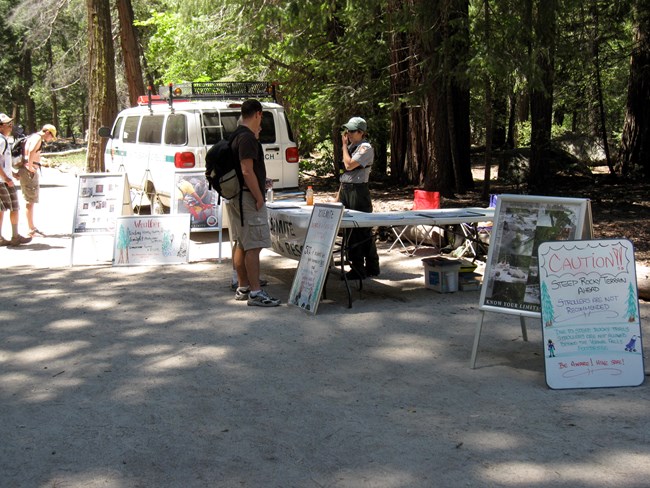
(248, 147)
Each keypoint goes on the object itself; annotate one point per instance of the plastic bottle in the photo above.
(309, 196)
(269, 195)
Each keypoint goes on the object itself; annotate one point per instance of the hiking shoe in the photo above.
(241, 294)
(262, 299)
(4, 242)
(17, 240)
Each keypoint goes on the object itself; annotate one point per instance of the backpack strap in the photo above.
(238, 170)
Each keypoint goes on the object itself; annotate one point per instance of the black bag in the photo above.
(223, 170)
(18, 152)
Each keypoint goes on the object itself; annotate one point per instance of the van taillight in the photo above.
(184, 160)
(291, 154)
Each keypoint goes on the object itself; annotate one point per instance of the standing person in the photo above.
(8, 194)
(28, 173)
(358, 156)
(254, 234)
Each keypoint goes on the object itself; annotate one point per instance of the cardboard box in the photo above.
(469, 281)
(441, 274)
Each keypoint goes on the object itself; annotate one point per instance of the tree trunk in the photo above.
(130, 51)
(53, 98)
(541, 98)
(102, 96)
(28, 81)
(634, 154)
(489, 116)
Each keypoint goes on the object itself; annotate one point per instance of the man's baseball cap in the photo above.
(356, 123)
(5, 119)
(51, 129)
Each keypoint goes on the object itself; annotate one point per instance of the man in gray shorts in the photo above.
(8, 195)
(254, 234)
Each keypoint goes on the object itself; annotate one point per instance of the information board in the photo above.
(194, 198)
(590, 314)
(315, 258)
(101, 199)
(521, 223)
(152, 239)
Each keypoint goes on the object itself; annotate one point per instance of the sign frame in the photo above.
(511, 265)
(316, 256)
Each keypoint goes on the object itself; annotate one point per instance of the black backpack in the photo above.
(18, 152)
(223, 170)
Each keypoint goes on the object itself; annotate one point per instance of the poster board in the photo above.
(101, 199)
(590, 314)
(309, 279)
(521, 223)
(151, 239)
(194, 198)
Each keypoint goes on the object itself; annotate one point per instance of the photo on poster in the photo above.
(522, 222)
(194, 198)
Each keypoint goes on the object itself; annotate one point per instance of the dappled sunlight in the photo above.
(487, 441)
(632, 466)
(188, 358)
(151, 350)
(68, 324)
(42, 386)
(405, 347)
(48, 352)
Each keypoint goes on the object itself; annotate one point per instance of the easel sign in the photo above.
(590, 314)
(152, 239)
(521, 224)
(101, 198)
(316, 255)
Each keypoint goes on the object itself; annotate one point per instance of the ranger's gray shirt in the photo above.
(363, 154)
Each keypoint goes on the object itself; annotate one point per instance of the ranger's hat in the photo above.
(356, 123)
(5, 119)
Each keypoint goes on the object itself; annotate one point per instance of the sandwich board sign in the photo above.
(316, 255)
(590, 314)
(521, 223)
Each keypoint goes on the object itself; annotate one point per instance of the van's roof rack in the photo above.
(218, 90)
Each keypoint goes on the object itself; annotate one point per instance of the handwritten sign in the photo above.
(590, 314)
(152, 239)
(315, 257)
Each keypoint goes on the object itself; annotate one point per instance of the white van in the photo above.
(174, 131)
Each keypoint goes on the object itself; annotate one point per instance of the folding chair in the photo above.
(422, 200)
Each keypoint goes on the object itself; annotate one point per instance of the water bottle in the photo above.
(309, 196)
(269, 195)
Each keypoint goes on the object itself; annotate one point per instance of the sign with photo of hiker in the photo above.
(590, 314)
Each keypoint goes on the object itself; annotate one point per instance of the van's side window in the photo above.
(176, 130)
(267, 136)
(131, 129)
(151, 129)
(117, 127)
(215, 128)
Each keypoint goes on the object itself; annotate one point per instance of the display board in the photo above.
(193, 197)
(315, 257)
(288, 230)
(590, 314)
(101, 199)
(152, 239)
(521, 223)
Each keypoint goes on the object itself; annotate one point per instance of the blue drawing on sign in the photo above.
(631, 346)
